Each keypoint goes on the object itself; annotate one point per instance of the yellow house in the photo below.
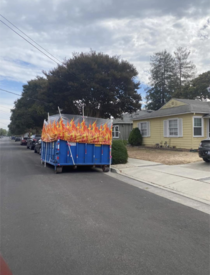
(182, 123)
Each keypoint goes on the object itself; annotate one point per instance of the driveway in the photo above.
(85, 222)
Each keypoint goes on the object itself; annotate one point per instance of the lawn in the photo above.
(162, 156)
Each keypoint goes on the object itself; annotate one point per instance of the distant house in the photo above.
(124, 125)
(182, 123)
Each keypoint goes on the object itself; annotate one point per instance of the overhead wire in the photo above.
(9, 92)
(4, 111)
(2, 106)
(26, 96)
(30, 38)
(29, 42)
(58, 63)
(4, 123)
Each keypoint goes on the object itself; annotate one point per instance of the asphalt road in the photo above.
(85, 222)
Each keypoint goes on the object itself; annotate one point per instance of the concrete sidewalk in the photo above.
(191, 183)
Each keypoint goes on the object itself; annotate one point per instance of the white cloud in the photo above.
(5, 107)
(133, 30)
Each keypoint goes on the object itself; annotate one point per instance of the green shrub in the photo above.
(125, 142)
(119, 152)
(135, 137)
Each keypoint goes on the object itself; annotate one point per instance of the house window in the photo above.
(144, 128)
(197, 126)
(115, 131)
(173, 127)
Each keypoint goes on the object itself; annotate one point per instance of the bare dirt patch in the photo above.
(163, 156)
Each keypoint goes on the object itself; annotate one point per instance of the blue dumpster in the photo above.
(63, 153)
(72, 140)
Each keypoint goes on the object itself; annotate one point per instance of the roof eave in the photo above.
(123, 122)
(142, 118)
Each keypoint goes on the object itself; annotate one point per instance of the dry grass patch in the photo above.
(162, 156)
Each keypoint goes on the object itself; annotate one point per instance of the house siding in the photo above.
(185, 142)
(125, 130)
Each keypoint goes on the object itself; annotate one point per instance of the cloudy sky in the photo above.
(133, 30)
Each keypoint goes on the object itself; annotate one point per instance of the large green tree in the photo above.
(185, 69)
(31, 109)
(105, 85)
(170, 75)
(196, 88)
(163, 80)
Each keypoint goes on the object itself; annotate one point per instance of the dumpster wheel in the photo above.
(58, 169)
(105, 168)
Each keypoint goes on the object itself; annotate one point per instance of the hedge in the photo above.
(119, 152)
(135, 137)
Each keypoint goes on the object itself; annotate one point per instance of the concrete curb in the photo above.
(115, 170)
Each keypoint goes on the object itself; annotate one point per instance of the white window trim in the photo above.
(148, 128)
(207, 128)
(175, 136)
(113, 131)
(202, 126)
(180, 134)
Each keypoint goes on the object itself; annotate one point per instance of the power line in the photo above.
(29, 42)
(4, 123)
(2, 106)
(30, 38)
(4, 111)
(21, 95)
(9, 92)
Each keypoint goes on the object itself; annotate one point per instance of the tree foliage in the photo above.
(169, 76)
(3, 132)
(30, 110)
(197, 88)
(104, 84)
(163, 80)
(107, 86)
(185, 69)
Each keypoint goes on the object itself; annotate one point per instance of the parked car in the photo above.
(13, 138)
(17, 139)
(23, 141)
(32, 140)
(38, 146)
(204, 150)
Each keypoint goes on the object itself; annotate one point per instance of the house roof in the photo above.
(128, 118)
(190, 106)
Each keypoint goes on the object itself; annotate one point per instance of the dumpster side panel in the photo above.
(81, 153)
(89, 154)
(73, 152)
(98, 154)
(105, 158)
(63, 153)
